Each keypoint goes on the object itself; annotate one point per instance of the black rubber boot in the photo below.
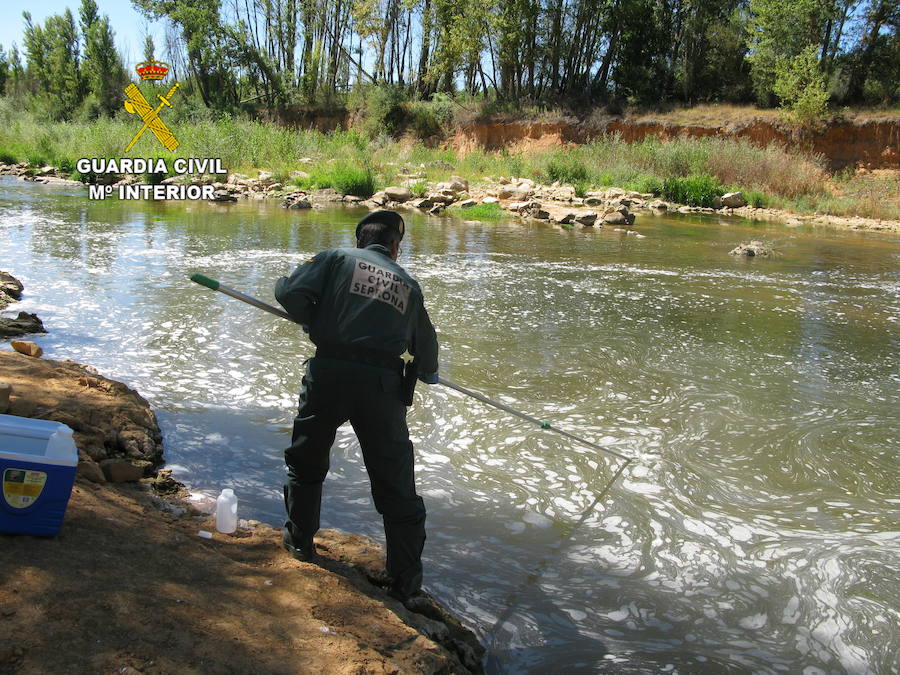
(304, 550)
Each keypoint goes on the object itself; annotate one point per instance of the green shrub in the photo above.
(756, 199)
(428, 119)
(348, 179)
(419, 188)
(65, 164)
(565, 169)
(698, 190)
(384, 111)
(479, 212)
(645, 184)
(7, 157)
(800, 84)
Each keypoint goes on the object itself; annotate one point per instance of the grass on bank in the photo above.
(683, 170)
(485, 212)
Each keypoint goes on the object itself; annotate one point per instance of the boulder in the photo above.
(522, 193)
(564, 193)
(379, 199)
(616, 218)
(89, 469)
(265, 176)
(27, 348)
(223, 196)
(563, 216)
(586, 218)
(505, 192)
(424, 203)
(398, 194)
(118, 470)
(466, 203)
(751, 249)
(490, 200)
(296, 201)
(533, 209)
(10, 289)
(733, 200)
(593, 200)
(442, 197)
(452, 186)
(658, 205)
(23, 324)
(456, 180)
(436, 209)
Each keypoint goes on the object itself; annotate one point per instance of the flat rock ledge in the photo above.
(142, 583)
(202, 601)
(115, 430)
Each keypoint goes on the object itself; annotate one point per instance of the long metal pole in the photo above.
(539, 569)
(222, 288)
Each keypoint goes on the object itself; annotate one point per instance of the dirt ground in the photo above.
(129, 586)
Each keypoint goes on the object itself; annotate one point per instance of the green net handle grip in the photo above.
(205, 281)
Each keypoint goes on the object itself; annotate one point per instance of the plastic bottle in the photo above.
(226, 511)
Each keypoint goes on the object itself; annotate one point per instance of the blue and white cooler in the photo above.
(38, 460)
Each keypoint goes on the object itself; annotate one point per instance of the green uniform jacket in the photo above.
(360, 298)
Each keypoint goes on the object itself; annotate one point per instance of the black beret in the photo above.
(391, 218)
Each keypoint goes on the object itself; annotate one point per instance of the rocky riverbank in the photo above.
(131, 585)
(517, 197)
(138, 581)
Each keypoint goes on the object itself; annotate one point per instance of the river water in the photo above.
(756, 529)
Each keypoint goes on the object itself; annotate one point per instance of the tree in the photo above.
(149, 48)
(874, 46)
(4, 71)
(88, 14)
(800, 84)
(62, 65)
(781, 29)
(210, 58)
(15, 85)
(103, 67)
(36, 49)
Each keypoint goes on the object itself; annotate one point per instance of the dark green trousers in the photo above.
(333, 392)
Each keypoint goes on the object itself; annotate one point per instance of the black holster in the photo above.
(410, 375)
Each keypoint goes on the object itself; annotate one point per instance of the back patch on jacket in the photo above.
(372, 281)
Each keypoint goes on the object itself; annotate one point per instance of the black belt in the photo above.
(370, 357)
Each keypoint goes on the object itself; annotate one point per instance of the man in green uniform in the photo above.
(362, 311)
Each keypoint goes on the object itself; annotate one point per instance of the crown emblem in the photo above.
(152, 70)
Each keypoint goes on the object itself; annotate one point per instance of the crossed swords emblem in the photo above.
(137, 104)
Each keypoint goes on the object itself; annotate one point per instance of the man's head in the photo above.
(381, 227)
